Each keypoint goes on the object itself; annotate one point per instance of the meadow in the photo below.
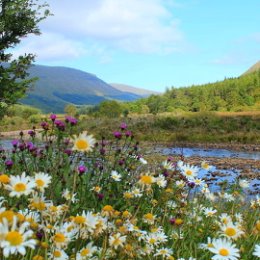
(83, 195)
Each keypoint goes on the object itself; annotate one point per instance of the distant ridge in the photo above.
(134, 90)
(57, 87)
(254, 68)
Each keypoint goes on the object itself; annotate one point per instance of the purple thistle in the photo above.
(123, 126)
(117, 134)
(128, 133)
(31, 133)
(15, 143)
(53, 117)
(45, 125)
(82, 169)
(9, 164)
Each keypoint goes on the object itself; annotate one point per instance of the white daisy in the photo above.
(86, 252)
(69, 196)
(58, 255)
(161, 181)
(205, 166)
(87, 220)
(257, 251)
(63, 235)
(42, 180)
(117, 240)
(224, 250)
(244, 184)
(231, 230)
(168, 165)
(209, 212)
(116, 176)
(17, 239)
(164, 252)
(83, 142)
(189, 171)
(136, 192)
(20, 185)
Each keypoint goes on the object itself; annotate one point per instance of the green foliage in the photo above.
(235, 94)
(13, 73)
(22, 111)
(110, 109)
(70, 110)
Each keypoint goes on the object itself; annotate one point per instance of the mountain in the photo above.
(58, 86)
(254, 68)
(134, 90)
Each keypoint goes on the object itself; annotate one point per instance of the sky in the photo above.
(151, 44)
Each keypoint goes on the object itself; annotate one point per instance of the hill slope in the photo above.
(134, 90)
(254, 68)
(234, 94)
(58, 86)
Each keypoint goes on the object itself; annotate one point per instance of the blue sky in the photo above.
(151, 44)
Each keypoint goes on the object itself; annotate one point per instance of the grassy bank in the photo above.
(210, 127)
(190, 127)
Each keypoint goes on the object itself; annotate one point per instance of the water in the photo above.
(230, 176)
(220, 153)
(6, 144)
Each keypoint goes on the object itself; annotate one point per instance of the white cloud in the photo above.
(141, 26)
(50, 46)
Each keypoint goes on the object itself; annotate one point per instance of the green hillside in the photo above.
(58, 86)
(233, 94)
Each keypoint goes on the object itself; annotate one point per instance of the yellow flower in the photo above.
(178, 221)
(146, 179)
(4, 179)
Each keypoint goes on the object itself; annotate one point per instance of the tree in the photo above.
(110, 108)
(70, 109)
(18, 18)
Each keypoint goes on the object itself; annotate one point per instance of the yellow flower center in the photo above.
(38, 257)
(40, 183)
(85, 252)
(128, 195)
(53, 208)
(223, 252)
(57, 253)
(8, 214)
(14, 238)
(59, 238)
(79, 220)
(163, 251)
(152, 241)
(146, 179)
(4, 178)
(20, 187)
(108, 208)
(210, 245)
(116, 242)
(38, 205)
(128, 247)
(189, 172)
(148, 216)
(178, 221)
(82, 144)
(205, 165)
(230, 231)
